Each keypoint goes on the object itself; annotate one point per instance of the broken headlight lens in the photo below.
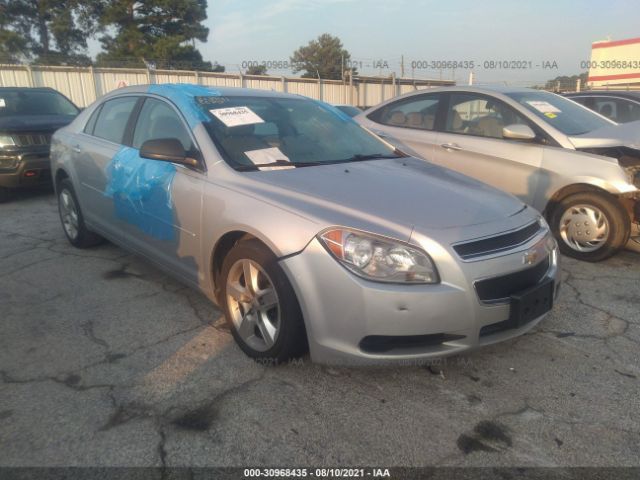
(378, 258)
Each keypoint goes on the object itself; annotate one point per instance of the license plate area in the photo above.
(529, 304)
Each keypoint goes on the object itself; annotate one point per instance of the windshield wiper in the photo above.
(374, 156)
(277, 163)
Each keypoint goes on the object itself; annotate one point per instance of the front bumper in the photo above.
(347, 316)
(31, 167)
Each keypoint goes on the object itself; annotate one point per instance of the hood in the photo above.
(30, 123)
(405, 192)
(624, 134)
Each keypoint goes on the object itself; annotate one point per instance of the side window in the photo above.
(113, 117)
(470, 114)
(633, 112)
(415, 112)
(607, 107)
(618, 109)
(158, 120)
(91, 124)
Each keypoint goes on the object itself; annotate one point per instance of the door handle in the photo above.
(451, 146)
(76, 148)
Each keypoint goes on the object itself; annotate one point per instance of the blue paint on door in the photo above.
(141, 192)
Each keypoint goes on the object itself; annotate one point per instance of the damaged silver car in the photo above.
(577, 167)
(308, 231)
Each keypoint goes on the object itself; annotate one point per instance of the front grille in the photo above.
(30, 139)
(506, 241)
(501, 288)
(386, 343)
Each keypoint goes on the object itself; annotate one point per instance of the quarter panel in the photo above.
(563, 167)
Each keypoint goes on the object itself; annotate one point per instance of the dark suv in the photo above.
(28, 118)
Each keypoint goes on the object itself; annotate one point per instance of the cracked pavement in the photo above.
(105, 360)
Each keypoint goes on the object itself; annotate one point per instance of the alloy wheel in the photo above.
(253, 304)
(68, 214)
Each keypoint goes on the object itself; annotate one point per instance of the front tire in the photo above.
(260, 304)
(590, 226)
(72, 220)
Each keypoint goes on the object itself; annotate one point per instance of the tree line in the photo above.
(137, 34)
(157, 33)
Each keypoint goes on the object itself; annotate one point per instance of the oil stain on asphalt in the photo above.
(487, 436)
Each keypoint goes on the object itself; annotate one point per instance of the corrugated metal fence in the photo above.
(84, 85)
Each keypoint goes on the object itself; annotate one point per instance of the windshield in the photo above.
(253, 131)
(561, 113)
(35, 102)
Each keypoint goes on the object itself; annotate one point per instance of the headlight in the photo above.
(378, 258)
(8, 162)
(6, 140)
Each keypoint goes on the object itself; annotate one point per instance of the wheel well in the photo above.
(567, 190)
(60, 175)
(220, 251)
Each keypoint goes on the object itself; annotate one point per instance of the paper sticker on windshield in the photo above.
(2, 104)
(544, 107)
(550, 115)
(268, 155)
(236, 116)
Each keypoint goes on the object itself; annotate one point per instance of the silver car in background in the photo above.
(577, 167)
(308, 231)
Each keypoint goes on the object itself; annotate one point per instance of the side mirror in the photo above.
(167, 150)
(517, 131)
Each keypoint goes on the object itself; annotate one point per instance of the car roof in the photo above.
(607, 93)
(27, 89)
(170, 90)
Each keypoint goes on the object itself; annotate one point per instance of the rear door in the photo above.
(93, 152)
(408, 123)
(471, 142)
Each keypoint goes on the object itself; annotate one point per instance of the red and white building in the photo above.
(615, 63)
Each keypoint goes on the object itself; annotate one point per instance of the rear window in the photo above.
(35, 102)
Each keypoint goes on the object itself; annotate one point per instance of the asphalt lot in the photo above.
(104, 360)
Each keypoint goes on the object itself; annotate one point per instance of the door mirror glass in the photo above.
(167, 150)
(518, 131)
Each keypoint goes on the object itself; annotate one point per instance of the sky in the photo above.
(379, 31)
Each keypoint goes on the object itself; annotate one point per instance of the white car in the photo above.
(577, 167)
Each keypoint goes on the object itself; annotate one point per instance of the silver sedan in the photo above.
(554, 154)
(308, 231)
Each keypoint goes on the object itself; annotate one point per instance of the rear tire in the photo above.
(590, 226)
(260, 305)
(72, 220)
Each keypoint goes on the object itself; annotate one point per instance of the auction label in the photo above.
(2, 104)
(236, 116)
(268, 155)
(544, 107)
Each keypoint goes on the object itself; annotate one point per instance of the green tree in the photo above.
(47, 31)
(324, 57)
(257, 70)
(158, 32)
(12, 44)
(566, 83)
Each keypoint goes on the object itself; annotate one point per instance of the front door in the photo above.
(471, 142)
